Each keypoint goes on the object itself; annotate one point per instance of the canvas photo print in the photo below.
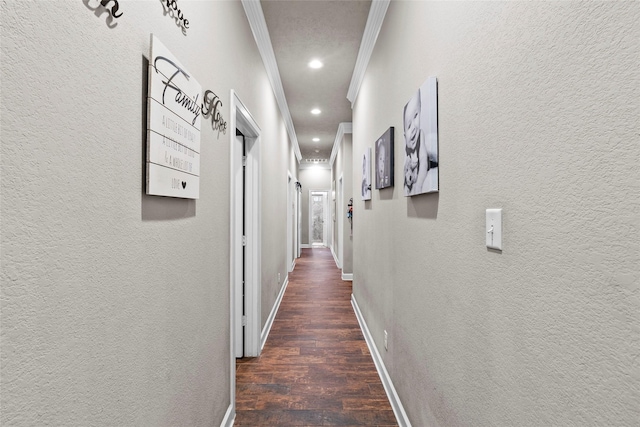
(420, 130)
(384, 160)
(366, 174)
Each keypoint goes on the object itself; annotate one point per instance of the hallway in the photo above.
(315, 368)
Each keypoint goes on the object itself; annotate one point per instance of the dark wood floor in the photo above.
(315, 368)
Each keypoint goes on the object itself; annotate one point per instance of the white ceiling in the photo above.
(331, 31)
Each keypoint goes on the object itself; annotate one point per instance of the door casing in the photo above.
(240, 118)
(340, 215)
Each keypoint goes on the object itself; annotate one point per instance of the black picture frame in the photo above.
(384, 159)
(420, 131)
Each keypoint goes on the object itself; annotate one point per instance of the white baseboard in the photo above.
(335, 258)
(394, 399)
(272, 315)
(229, 417)
(305, 246)
(293, 265)
(347, 277)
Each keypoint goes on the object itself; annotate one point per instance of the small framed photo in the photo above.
(366, 174)
(384, 160)
(420, 129)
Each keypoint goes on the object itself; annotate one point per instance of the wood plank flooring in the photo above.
(315, 368)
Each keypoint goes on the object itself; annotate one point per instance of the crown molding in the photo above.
(255, 16)
(344, 127)
(377, 13)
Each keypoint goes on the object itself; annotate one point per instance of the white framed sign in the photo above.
(173, 127)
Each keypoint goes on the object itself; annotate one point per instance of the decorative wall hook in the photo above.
(350, 215)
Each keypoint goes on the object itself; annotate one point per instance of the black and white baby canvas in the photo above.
(384, 160)
(420, 129)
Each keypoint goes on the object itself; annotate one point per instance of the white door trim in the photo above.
(240, 118)
(326, 218)
(299, 221)
(340, 215)
(290, 258)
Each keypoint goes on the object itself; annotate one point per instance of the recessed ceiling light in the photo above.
(316, 139)
(315, 64)
(316, 111)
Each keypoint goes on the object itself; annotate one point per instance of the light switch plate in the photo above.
(494, 229)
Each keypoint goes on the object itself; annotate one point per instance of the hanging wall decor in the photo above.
(99, 7)
(366, 174)
(350, 215)
(172, 9)
(384, 160)
(420, 125)
(211, 107)
(173, 130)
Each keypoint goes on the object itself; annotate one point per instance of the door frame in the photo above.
(240, 118)
(325, 216)
(298, 220)
(340, 215)
(292, 221)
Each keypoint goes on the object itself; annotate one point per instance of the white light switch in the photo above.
(494, 229)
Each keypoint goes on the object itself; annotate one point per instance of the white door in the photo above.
(318, 218)
(239, 285)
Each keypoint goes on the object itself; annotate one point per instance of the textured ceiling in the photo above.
(330, 31)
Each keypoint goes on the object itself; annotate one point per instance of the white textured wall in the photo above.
(115, 305)
(343, 166)
(276, 151)
(538, 115)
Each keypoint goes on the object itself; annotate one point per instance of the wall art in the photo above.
(210, 108)
(173, 129)
(99, 7)
(171, 8)
(366, 174)
(420, 125)
(384, 160)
